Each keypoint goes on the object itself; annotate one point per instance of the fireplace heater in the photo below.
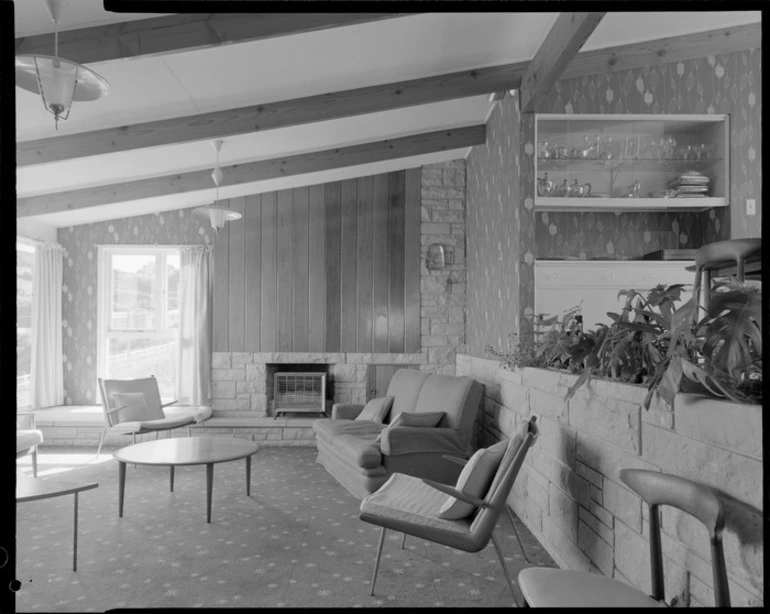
(299, 392)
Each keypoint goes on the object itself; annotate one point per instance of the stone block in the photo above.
(445, 328)
(563, 477)
(250, 387)
(554, 382)
(231, 404)
(514, 395)
(632, 556)
(605, 458)
(256, 372)
(442, 192)
(232, 375)
(731, 472)
(596, 494)
(734, 426)
(298, 433)
(223, 390)
(563, 511)
(607, 419)
(589, 474)
(623, 504)
(221, 360)
(597, 549)
(242, 358)
(602, 514)
(544, 404)
(597, 526)
(662, 419)
(447, 215)
(344, 373)
(58, 432)
(557, 441)
(562, 547)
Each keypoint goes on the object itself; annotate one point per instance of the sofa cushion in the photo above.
(445, 393)
(405, 387)
(421, 419)
(353, 438)
(474, 480)
(376, 409)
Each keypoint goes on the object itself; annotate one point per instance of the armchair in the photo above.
(133, 407)
(417, 507)
(28, 437)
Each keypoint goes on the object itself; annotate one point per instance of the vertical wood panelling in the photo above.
(252, 260)
(325, 268)
(221, 315)
(380, 263)
(317, 269)
(269, 316)
(348, 246)
(396, 220)
(364, 269)
(285, 214)
(333, 231)
(300, 248)
(236, 276)
(412, 197)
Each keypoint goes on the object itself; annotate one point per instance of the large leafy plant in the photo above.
(717, 352)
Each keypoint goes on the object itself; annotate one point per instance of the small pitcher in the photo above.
(545, 185)
(578, 189)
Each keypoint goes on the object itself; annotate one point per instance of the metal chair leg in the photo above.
(403, 541)
(34, 461)
(516, 533)
(377, 560)
(505, 568)
(101, 441)
(189, 432)
(156, 435)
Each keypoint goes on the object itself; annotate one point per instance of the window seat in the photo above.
(81, 426)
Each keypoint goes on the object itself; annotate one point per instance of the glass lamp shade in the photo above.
(218, 216)
(59, 82)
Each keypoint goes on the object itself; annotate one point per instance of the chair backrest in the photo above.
(497, 494)
(699, 501)
(146, 385)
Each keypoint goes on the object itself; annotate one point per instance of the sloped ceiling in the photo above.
(156, 87)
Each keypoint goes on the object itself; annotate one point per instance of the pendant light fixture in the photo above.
(58, 81)
(217, 215)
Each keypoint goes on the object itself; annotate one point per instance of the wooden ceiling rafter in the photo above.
(183, 32)
(271, 116)
(249, 172)
(562, 43)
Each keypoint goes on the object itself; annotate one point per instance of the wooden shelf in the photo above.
(626, 165)
(627, 205)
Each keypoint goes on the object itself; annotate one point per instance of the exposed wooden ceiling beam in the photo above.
(378, 151)
(561, 45)
(258, 118)
(664, 50)
(183, 32)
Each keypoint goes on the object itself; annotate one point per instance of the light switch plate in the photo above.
(751, 206)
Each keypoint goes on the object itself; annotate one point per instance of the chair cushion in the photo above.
(376, 409)
(474, 480)
(135, 426)
(26, 439)
(135, 406)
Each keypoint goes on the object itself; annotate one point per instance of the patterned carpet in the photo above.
(296, 542)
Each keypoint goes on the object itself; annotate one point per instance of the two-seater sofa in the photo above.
(348, 448)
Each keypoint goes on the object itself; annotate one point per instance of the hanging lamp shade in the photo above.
(57, 81)
(217, 215)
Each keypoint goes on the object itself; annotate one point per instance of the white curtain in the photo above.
(47, 373)
(195, 326)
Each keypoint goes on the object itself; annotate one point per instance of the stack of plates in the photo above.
(691, 184)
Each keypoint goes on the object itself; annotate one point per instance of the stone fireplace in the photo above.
(242, 382)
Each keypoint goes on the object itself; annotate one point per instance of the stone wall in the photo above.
(569, 494)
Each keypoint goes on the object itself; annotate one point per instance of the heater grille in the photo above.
(299, 392)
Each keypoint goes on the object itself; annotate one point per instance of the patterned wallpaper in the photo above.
(729, 83)
(493, 222)
(80, 284)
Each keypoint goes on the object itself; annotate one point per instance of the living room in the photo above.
(376, 211)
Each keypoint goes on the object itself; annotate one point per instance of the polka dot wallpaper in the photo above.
(505, 234)
(79, 284)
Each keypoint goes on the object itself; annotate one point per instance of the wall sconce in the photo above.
(440, 255)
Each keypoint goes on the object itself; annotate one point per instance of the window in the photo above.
(139, 314)
(25, 263)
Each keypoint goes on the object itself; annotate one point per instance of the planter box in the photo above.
(569, 494)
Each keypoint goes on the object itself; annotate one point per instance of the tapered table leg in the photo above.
(171, 477)
(75, 538)
(248, 476)
(209, 488)
(121, 486)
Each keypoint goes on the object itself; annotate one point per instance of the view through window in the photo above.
(25, 262)
(140, 315)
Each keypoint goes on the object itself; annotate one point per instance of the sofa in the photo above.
(362, 454)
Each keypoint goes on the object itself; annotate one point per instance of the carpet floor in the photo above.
(296, 542)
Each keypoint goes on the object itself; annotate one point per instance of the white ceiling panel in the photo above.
(31, 16)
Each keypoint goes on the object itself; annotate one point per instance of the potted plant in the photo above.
(654, 343)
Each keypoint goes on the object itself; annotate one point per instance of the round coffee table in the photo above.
(186, 451)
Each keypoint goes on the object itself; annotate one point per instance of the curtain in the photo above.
(195, 326)
(47, 373)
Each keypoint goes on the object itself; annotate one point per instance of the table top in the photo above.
(187, 451)
(32, 489)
